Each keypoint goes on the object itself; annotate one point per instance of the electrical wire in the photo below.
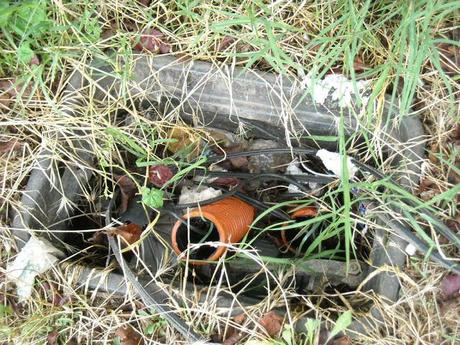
(437, 224)
(243, 175)
(154, 297)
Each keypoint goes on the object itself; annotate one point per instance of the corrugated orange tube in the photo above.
(304, 212)
(227, 221)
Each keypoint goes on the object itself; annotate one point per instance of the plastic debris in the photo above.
(337, 87)
(410, 249)
(36, 257)
(333, 162)
(293, 169)
(195, 194)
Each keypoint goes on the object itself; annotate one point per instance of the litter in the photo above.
(190, 195)
(333, 162)
(36, 257)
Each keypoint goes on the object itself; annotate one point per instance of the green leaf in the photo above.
(150, 329)
(288, 335)
(341, 324)
(5, 310)
(116, 341)
(5, 13)
(30, 18)
(5, 332)
(25, 53)
(152, 197)
(312, 326)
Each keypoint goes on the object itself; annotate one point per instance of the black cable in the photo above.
(243, 175)
(154, 298)
(183, 221)
(438, 225)
(261, 152)
(262, 206)
(408, 236)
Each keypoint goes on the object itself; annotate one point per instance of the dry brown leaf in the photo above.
(233, 335)
(144, 2)
(450, 286)
(159, 175)
(52, 337)
(128, 336)
(154, 41)
(226, 42)
(130, 233)
(272, 322)
(10, 145)
(7, 92)
(128, 190)
(345, 340)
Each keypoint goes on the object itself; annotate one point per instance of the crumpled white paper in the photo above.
(333, 162)
(197, 193)
(36, 257)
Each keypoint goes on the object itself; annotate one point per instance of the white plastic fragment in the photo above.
(293, 169)
(410, 249)
(197, 193)
(333, 162)
(337, 87)
(36, 257)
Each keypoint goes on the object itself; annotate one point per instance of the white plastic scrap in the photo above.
(342, 89)
(293, 169)
(197, 193)
(333, 162)
(410, 249)
(36, 257)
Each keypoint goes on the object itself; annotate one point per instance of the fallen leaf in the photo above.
(53, 295)
(10, 89)
(450, 286)
(52, 337)
(128, 190)
(159, 175)
(226, 42)
(144, 2)
(454, 224)
(345, 340)
(233, 335)
(34, 60)
(233, 339)
(184, 142)
(239, 162)
(152, 40)
(7, 92)
(10, 145)
(272, 322)
(130, 233)
(226, 181)
(128, 336)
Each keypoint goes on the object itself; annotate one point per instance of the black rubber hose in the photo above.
(155, 297)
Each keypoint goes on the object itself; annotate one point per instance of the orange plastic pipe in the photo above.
(304, 212)
(231, 217)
